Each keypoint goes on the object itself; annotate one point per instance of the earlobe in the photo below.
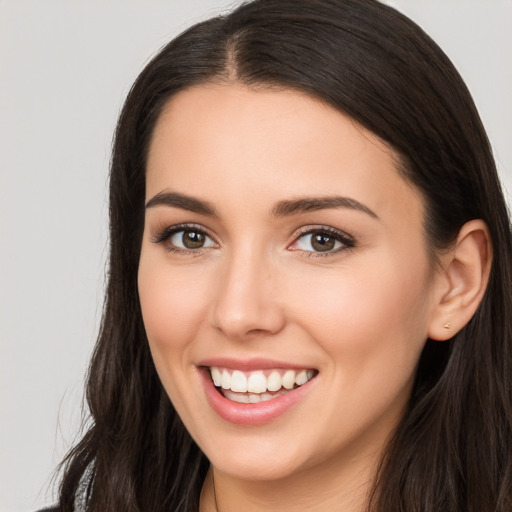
(464, 275)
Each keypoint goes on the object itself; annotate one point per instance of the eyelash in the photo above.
(347, 242)
(165, 235)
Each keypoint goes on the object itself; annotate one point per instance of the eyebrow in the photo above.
(311, 204)
(281, 209)
(182, 201)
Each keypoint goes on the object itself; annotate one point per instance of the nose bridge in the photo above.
(247, 299)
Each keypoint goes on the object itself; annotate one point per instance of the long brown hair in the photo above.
(453, 449)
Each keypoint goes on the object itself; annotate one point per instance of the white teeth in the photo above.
(254, 398)
(255, 386)
(289, 379)
(225, 380)
(274, 381)
(238, 382)
(301, 378)
(257, 383)
(243, 398)
(216, 376)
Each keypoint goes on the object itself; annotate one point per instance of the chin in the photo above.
(257, 469)
(267, 461)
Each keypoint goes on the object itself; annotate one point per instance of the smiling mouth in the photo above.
(258, 386)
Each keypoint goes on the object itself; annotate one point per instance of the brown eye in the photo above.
(322, 242)
(189, 239)
(193, 239)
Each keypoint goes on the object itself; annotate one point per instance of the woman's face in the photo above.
(281, 249)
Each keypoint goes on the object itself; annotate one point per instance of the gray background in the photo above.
(65, 68)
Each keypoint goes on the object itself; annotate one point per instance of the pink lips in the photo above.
(250, 414)
(248, 365)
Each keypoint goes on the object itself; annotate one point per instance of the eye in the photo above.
(191, 239)
(322, 240)
(184, 238)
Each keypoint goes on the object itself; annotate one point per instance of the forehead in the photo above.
(230, 141)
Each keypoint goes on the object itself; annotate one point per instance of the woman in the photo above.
(309, 290)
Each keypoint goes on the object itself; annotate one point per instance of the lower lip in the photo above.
(251, 414)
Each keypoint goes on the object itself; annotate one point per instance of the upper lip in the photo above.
(258, 363)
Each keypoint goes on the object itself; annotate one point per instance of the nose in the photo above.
(247, 301)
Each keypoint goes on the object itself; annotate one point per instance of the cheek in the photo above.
(371, 327)
(172, 304)
(368, 315)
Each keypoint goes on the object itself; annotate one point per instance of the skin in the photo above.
(359, 315)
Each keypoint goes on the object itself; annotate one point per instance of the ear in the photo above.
(462, 280)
